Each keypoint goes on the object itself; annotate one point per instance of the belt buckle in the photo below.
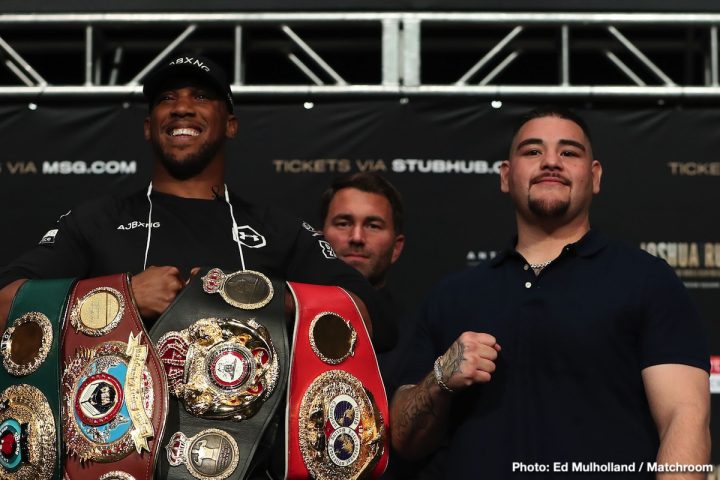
(341, 429)
(220, 368)
(27, 434)
(107, 410)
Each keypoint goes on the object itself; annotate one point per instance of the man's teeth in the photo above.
(185, 131)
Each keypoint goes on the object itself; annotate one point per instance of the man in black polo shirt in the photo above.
(603, 365)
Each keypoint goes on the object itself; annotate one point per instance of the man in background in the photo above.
(362, 217)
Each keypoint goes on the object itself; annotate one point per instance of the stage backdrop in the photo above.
(660, 192)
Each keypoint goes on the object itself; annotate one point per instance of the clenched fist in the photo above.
(155, 289)
(469, 360)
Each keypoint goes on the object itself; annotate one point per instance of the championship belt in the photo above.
(30, 382)
(224, 346)
(337, 421)
(114, 387)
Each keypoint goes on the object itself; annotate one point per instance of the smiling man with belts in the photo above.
(185, 219)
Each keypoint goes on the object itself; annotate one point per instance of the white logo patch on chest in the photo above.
(249, 237)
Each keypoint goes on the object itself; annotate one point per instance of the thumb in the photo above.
(194, 271)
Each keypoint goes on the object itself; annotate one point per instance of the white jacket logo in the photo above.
(135, 224)
(311, 229)
(49, 237)
(327, 249)
(249, 237)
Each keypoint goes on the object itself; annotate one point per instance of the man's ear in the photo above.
(231, 126)
(397, 248)
(596, 175)
(504, 175)
(146, 128)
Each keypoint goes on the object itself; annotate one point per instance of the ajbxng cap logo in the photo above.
(185, 67)
(191, 61)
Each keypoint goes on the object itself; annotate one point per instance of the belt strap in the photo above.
(114, 385)
(30, 381)
(337, 421)
(250, 306)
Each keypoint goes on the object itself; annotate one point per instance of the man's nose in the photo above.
(183, 105)
(552, 160)
(357, 234)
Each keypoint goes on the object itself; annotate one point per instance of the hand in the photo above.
(193, 271)
(469, 360)
(155, 288)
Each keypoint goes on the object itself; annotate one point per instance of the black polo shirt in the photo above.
(574, 339)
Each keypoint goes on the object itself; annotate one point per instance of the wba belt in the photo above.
(337, 420)
(113, 383)
(29, 382)
(223, 342)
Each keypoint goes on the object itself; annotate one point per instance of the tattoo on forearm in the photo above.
(451, 360)
(419, 410)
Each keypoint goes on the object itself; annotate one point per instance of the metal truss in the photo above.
(494, 55)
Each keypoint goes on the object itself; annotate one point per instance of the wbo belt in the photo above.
(29, 382)
(114, 387)
(337, 421)
(223, 343)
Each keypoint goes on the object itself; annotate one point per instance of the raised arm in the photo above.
(420, 412)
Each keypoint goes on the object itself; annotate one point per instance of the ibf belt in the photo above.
(223, 343)
(337, 409)
(30, 381)
(114, 388)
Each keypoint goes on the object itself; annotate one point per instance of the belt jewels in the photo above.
(114, 387)
(337, 410)
(210, 455)
(341, 429)
(26, 344)
(27, 434)
(246, 289)
(98, 312)
(30, 382)
(224, 356)
(220, 367)
(106, 412)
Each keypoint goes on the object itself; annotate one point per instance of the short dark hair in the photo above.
(369, 182)
(551, 111)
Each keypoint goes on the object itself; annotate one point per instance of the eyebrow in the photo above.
(342, 216)
(348, 216)
(375, 218)
(562, 141)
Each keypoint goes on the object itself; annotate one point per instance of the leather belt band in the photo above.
(337, 422)
(223, 337)
(114, 386)
(30, 381)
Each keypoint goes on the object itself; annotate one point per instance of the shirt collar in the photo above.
(591, 243)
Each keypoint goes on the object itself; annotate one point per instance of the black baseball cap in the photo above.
(193, 67)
